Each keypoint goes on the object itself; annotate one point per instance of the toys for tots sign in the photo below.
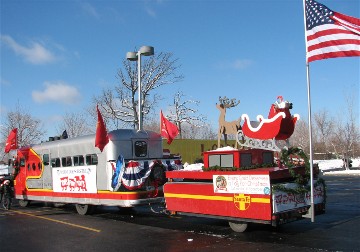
(247, 184)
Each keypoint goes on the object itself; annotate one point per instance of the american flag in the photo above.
(330, 34)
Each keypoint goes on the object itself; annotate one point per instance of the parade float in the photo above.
(259, 183)
(256, 181)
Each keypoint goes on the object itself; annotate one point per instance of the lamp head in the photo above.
(132, 56)
(147, 50)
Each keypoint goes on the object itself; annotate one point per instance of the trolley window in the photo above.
(78, 160)
(91, 159)
(66, 161)
(140, 149)
(46, 159)
(55, 162)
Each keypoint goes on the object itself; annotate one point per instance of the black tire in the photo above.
(24, 203)
(84, 209)
(238, 227)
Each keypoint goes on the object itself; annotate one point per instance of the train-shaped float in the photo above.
(242, 186)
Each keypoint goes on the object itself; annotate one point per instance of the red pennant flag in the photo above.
(101, 137)
(11, 143)
(167, 128)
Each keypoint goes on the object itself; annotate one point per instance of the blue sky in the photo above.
(56, 55)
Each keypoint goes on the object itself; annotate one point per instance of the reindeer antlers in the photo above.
(228, 103)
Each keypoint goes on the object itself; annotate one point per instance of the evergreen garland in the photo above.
(301, 181)
(219, 168)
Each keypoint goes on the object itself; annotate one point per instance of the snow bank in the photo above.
(326, 166)
(193, 167)
(332, 167)
(227, 148)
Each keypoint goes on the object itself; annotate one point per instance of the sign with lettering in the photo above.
(245, 184)
(80, 179)
(283, 201)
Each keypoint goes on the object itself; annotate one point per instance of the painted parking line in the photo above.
(57, 221)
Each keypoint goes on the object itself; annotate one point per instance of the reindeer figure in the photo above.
(224, 126)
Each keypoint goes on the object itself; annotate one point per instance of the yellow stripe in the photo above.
(39, 190)
(192, 196)
(206, 197)
(125, 193)
(260, 200)
(58, 221)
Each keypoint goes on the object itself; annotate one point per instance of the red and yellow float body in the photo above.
(209, 193)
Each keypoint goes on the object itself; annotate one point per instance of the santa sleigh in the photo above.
(264, 132)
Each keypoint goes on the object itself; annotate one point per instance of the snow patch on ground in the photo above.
(328, 167)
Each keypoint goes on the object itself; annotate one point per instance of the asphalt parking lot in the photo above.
(44, 228)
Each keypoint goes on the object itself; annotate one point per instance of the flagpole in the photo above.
(310, 143)
(310, 128)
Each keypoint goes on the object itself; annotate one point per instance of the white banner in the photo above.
(74, 179)
(283, 201)
(246, 184)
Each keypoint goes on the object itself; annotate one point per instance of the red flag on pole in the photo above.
(11, 143)
(101, 137)
(330, 34)
(168, 129)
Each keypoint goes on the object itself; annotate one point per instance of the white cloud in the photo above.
(238, 64)
(150, 11)
(58, 92)
(90, 9)
(150, 7)
(35, 53)
(242, 64)
(4, 82)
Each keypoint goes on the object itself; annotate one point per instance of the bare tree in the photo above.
(300, 137)
(120, 106)
(30, 129)
(324, 127)
(203, 132)
(153, 124)
(75, 125)
(346, 135)
(182, 113)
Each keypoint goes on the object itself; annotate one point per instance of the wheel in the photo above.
(84, 209)
(24, 203)
(238, 226)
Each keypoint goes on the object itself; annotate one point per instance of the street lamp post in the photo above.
(136, 56)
